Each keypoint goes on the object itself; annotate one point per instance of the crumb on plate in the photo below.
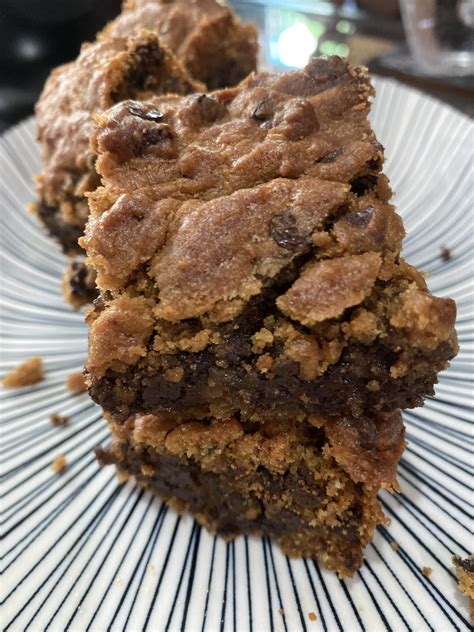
(312, 616)
(426, 570)
(25, 374)
(76, 383)
(59, 464)
(394, 545)
(446, 254)
(59, 420)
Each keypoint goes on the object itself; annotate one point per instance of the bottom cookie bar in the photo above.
(313, 489)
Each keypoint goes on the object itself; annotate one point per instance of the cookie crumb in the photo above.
(446, 254)
(59, 420)
(394, 545)
(76, 383)
(59, 464)
(426, 570)
(281, 611)
(25, 374)
(312, 616)
(151, 568)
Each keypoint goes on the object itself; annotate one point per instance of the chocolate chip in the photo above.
(99, 304)
(305, 473)
(284, 231)
(374, 164)
(210, 109)
(467, 564)
(156, 135)
(151, 53)
(331, 156)
(147, 65)
(311, 498)
(378, 146)
(82, 282)
(138, 216)
(146, 115)
(362, 184)
(287, 521)
(79, 273)
(361, 218)
(275, 485)
(263, 111)
(170, 391)
(154, 115)
(351, 534)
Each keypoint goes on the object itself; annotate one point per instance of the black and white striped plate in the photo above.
(80, 552)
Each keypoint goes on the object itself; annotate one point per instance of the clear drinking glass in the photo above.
(440, 34)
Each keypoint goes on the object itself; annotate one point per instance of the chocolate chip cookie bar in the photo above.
(105, 73)
(248, 258)
(310, 487)
(209, 41)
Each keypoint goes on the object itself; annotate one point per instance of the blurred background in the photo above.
(425, 43)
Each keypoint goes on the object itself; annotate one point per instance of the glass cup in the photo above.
(440, 34)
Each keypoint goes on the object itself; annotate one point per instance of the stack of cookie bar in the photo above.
(256, 331)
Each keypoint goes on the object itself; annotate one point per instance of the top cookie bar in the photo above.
(212, 43)
(200, 39)
(106, 72)
(249, 259)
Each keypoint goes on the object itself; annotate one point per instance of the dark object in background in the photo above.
(35, 36)
(386, 9)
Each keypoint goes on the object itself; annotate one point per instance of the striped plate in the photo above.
(81, 552)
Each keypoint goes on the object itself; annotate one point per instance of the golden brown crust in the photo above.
(426, 319)
(118, 334)
(224, 147)
(307, 122)
(198, 274)
(326, 288)
(368, 449)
